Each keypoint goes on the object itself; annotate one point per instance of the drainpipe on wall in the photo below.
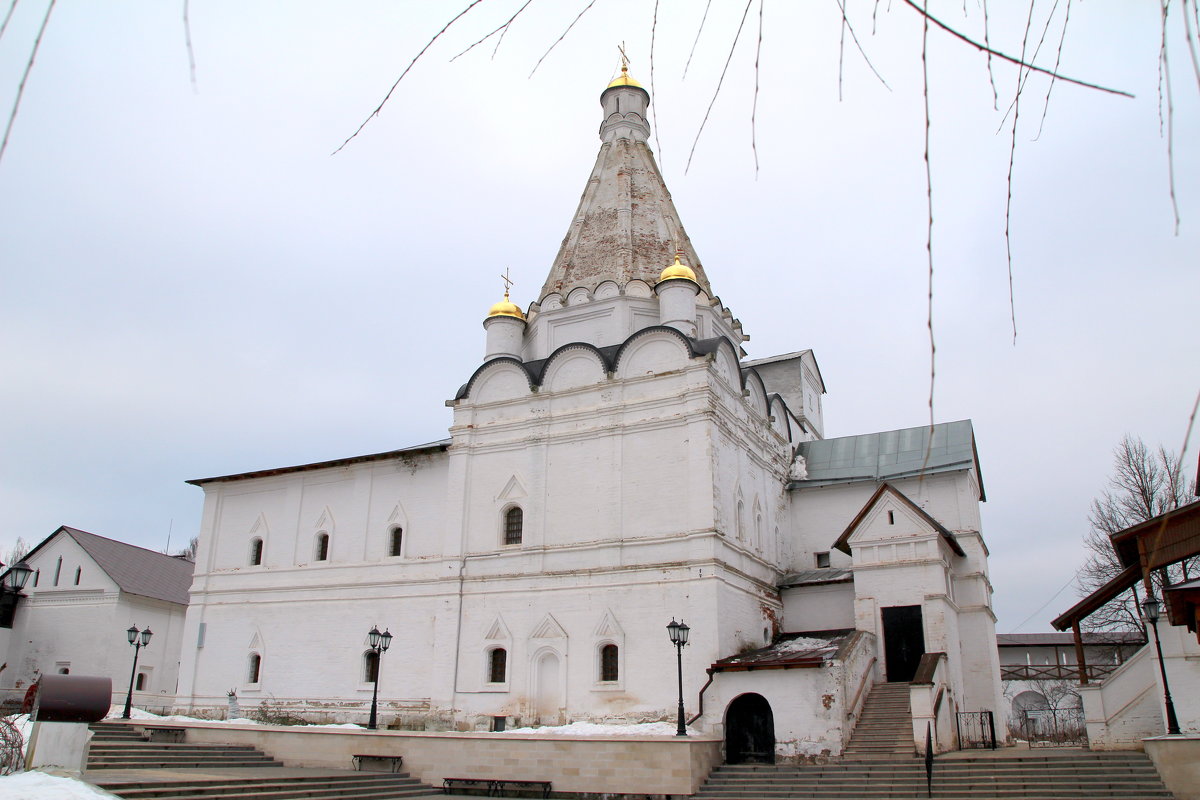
(700, 700)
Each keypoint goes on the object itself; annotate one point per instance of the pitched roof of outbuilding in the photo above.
(134, 569)
(790, 651)
(890, 455)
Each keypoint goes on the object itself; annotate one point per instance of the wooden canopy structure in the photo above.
(1154, 544)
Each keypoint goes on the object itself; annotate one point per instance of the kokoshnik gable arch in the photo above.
(613, 462)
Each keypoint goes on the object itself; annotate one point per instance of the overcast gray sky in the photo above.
(193, 286)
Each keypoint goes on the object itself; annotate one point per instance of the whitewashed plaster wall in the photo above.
(810, 706)
(819, 608)
(81, 627)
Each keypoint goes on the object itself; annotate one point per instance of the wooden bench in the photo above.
(500, 786)
(371, 762)
(163, 733)
(495, 786)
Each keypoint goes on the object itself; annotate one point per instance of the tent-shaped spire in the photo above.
(626, 226)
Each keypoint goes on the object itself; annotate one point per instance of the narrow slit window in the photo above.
(396, 545)
(255, 670)
(256, 552)
(78, 574)
(514, 523)
(322, 548)
(609, 663)
(497, 665)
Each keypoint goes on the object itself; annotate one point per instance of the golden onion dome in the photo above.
(625, 80)
(677, 270)
(506, 308)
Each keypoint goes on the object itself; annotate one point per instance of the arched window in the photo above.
(498, 665)
(321, 551)
(741, 512)
(140, 684)
(255, 668)
(370, 666)
(78, 572)
(514, 522)
(396, 542)
(256, 551)
(609, 668)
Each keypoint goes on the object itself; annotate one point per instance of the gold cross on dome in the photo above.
(624, 58)
(508, 282)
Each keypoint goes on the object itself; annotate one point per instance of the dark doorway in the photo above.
(903, 641)
(749, 731)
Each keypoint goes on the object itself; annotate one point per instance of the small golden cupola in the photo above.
(624, 79)
(678, 270)
(506, 308)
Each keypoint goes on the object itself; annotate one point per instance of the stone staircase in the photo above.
(123, 762)
(1028, 775)
(120, 746)
(358, 785)
(884, 728)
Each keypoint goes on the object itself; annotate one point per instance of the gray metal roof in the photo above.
(135, 570)
(891, 455)
(1111, 638)
(441, 444)
(816, 577)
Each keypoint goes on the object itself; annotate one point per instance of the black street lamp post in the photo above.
(380, 642)
(10, 591)
(138, 639)
(679, 637)
(1152, 607)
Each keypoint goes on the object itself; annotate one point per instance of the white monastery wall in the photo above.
(819, 608)
(817, 516)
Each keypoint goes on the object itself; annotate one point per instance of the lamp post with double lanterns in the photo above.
(1152, 608)
(138, 639)
(10, 590)
(678, 632)
(379, 642)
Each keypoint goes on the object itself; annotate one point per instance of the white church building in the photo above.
(614, 462)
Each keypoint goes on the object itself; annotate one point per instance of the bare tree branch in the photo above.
(654, 106)
(187, 36)
(988, 47)
(1012, 155)
(561, 36)
(847, 26)
(416, 58)
(500, 29)
(699, 31)
(928, 235)
(754, 106)
(1009, 58)
(12, 117)
(1062, 38)
(7, 17)
(724, 70)
(1187, 31)
(1165, 79)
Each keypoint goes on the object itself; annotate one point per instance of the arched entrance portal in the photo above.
(749, 731)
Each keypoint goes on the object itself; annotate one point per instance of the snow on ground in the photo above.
(36, 785)
(595, 729)
(138, 714)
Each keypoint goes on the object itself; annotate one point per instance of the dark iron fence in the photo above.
(976, 729)
(1050, 727)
